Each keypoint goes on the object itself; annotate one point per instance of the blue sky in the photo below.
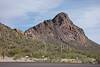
(23, 14)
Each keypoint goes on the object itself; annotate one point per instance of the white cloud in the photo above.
(91, 17)
(12, 8)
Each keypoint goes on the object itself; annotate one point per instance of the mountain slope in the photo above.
(13, 43)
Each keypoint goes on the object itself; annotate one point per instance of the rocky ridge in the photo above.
(60, 28)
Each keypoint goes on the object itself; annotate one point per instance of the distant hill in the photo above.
(55, 38)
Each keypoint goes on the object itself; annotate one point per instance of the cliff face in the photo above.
(60, 28)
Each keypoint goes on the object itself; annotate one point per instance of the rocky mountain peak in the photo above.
(61, 15)
(60, 28)
(61, 18)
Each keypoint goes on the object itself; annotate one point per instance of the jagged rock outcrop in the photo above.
(60, 28)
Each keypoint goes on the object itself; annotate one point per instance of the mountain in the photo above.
(54, 39)
(60, 30)
(63, 34)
